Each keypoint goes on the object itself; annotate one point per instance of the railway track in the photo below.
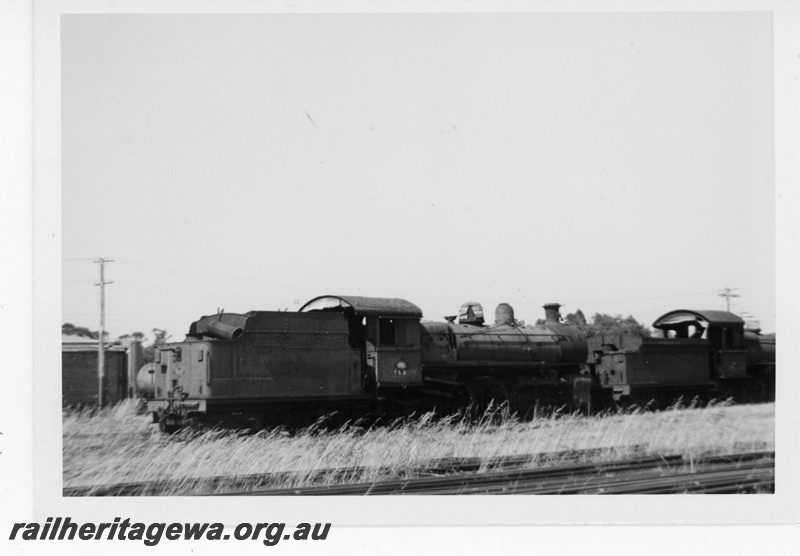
(439, 466)
(747, 472)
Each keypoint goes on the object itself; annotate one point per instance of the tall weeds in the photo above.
(116, 445)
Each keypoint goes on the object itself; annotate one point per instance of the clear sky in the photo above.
(616, 163)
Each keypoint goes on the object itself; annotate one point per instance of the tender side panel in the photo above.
(219, 369)
(293, 355)
(663, 365)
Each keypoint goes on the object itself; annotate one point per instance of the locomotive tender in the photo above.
(363, 355)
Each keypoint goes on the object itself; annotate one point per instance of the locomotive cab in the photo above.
(392, 351)
(724, 332)
(390, 331)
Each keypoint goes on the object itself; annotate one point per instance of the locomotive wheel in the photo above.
(547, 403)
(169, 426)
(582, 409)
(464, 400)
(524, 403)
(495, 394)
(603, 402)
(727, 391)
(653, 404)
(624, 404)
(757, 392)
(252, 422)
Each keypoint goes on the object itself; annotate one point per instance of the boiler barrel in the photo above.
(760, 349)
(551, 343)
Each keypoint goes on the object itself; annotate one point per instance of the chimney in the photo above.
(551, 314)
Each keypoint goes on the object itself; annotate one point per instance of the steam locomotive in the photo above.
(376, 356)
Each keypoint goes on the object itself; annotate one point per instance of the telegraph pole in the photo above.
(727, 293)
(101, 363)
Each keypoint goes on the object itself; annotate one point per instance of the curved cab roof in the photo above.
(367, 306)
(690, 315)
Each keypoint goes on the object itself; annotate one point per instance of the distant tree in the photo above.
(604, 324)
(138, 336)
(161, 337)
(617, 324)
(576, 319)
(69, 329)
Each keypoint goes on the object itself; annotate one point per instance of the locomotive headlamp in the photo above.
(401, 365)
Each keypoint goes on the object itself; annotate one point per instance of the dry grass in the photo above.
(116, 445)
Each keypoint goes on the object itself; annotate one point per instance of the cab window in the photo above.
(398, 332)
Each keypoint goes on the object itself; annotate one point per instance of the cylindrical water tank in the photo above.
(146, 380)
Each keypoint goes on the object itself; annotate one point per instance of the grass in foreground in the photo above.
(115, 445)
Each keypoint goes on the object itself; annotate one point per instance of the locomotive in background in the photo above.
(708, 354)
(375, 356)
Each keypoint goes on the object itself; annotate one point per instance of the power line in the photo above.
(727, 293)
(217, 276)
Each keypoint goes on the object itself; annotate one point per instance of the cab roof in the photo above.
(689, 315)
(366, 306)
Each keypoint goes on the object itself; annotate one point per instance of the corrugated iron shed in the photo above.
(82, 343)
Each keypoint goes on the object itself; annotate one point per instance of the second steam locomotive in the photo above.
(376, 356)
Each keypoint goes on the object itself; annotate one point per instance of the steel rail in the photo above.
(404, 486)
(449, 476)
(697, 481)
(652, 482)
(589, 483)
(438, 466)
(766, 486)
(511, 481)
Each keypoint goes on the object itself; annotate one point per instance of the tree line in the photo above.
(605, 324)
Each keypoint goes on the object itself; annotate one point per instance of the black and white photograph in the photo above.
(410, 265)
